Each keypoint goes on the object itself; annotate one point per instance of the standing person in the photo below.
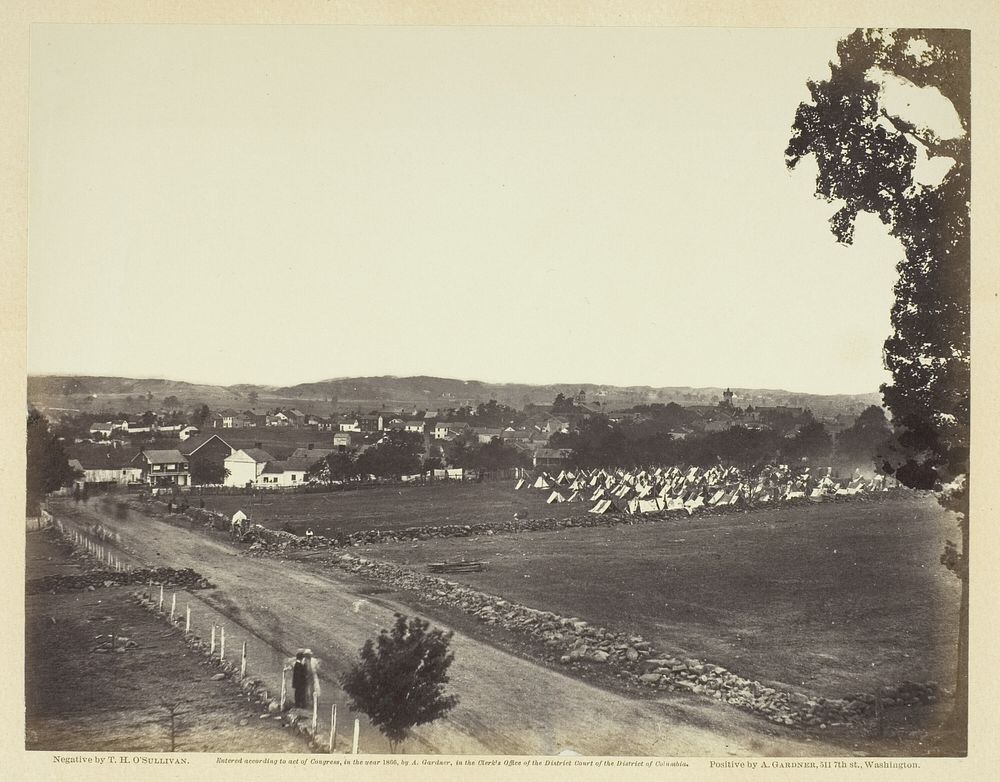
(300, 679)
(312, 677)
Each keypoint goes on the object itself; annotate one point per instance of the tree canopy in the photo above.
(863, 443)
(876, 154)
(397, 454)
(400, 676)
(47, 466)
(890, 132)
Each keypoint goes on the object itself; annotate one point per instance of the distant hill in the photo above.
(389, 392)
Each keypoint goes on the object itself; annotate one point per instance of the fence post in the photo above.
(173, 606)
(211, 650)
(243, 661)
(160, 606)
(315, 717)
(281, 704)
(333, 726)
(222, 642)
(357, 731)
(187, 618)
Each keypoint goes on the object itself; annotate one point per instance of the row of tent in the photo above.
(658, 489)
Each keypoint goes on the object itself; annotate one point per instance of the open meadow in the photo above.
(392, 507)
(829, 599)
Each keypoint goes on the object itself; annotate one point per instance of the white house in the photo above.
(256, 467)
(245, 466)
(449, 430)
(349, 425)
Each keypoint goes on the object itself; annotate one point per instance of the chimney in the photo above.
(257, 445)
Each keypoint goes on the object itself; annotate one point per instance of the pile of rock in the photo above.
(167, 576)
(576, 643)
(277, 538)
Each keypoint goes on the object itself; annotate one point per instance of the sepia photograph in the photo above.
(553, 392)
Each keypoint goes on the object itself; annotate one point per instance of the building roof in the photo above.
(258, 455)
(313, 454)
(192, 444)
(168, 456)
(97, 457)
(298, 464)
(273, 468)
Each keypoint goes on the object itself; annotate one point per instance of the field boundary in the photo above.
(575, 643)
(266, 536)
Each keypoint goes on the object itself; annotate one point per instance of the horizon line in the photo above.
(456, 379)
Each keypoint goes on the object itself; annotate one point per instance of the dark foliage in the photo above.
(397, 454)
(866, 157)
(47, 465)
(400, 676)
(866, 440)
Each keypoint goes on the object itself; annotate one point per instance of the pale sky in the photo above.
(285, 204)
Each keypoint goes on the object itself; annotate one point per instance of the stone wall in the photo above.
(576, 643)
(408, 534)
(167, 576)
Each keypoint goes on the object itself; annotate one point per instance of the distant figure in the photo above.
(236, 525)
(309, 534)
(300, 679)
(312, 677)
(170, 506)
(201, 503)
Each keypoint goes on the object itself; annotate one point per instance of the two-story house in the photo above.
(163, 467)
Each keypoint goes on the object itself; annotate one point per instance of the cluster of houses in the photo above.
(105, 430)
(429, 422)
(197, 451)
(156, 467)
(687, 489)
(169, 467)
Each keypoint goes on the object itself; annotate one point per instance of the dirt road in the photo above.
(508, 705)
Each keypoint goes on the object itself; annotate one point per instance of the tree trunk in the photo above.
(960, 716)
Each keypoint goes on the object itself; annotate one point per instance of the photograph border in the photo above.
(981, 17)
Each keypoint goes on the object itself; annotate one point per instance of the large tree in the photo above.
(338, 466)
(875, 153)
(47, 465)
(397, 454)
(864, 442)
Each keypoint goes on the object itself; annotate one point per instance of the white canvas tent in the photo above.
(602, 507)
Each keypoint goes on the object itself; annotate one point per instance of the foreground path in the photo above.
(508, 705)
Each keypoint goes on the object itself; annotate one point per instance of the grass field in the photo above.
(79, 700)
(829, 599)
(391, 508)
